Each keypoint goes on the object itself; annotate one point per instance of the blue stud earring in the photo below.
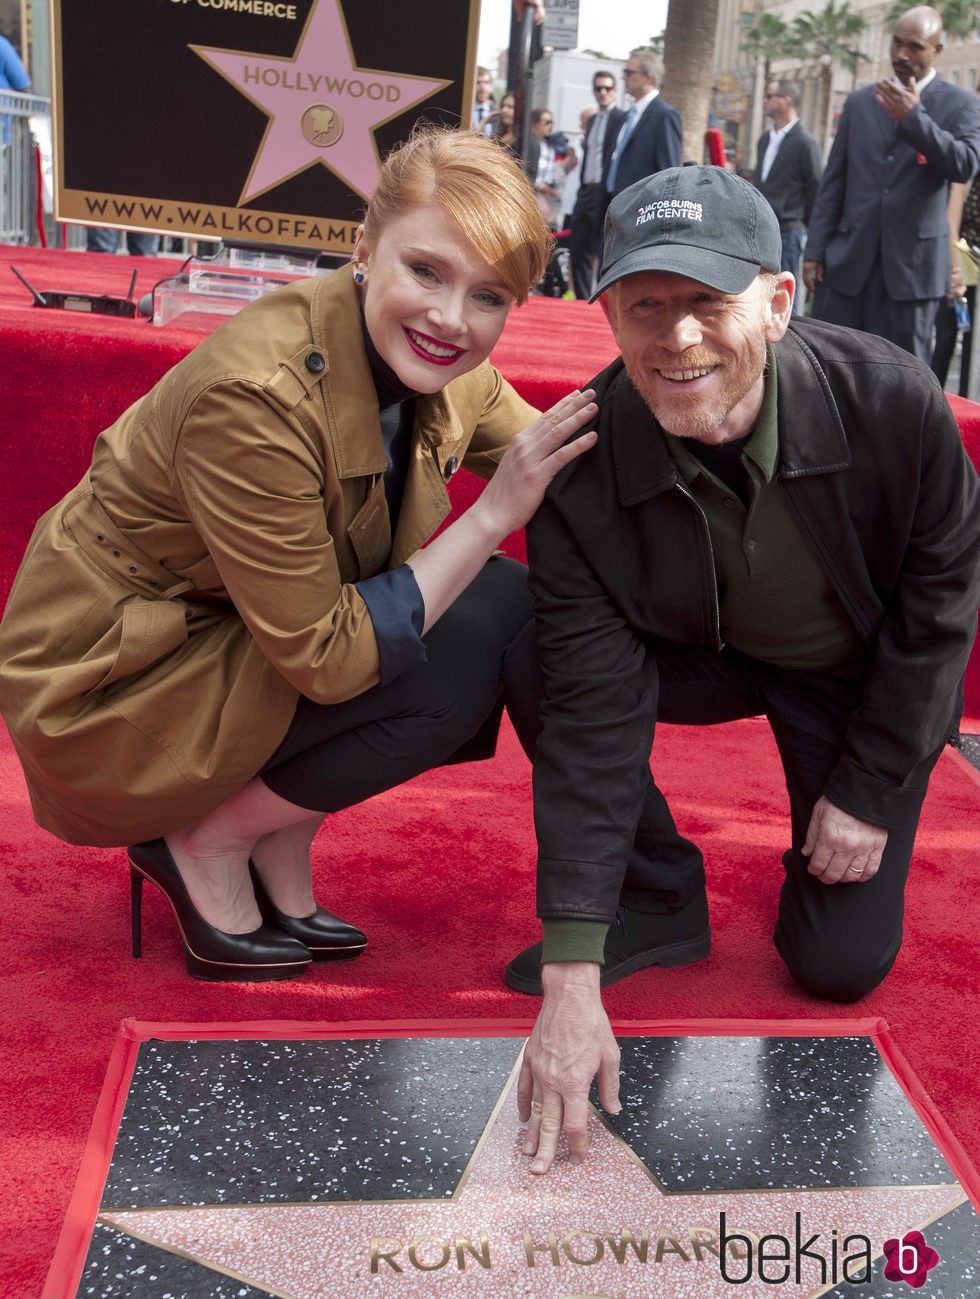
(358, 277)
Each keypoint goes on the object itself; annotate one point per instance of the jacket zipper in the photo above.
(706, 533)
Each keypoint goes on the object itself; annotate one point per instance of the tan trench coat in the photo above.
(170, 610)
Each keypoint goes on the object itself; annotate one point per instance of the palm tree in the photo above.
(768, 38)
(828, 37)
(689, 50)
(960, 17)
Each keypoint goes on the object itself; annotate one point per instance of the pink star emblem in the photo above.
(322, 106)
(606, 1227)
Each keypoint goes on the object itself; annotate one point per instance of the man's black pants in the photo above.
(585, 243)
(837, 940)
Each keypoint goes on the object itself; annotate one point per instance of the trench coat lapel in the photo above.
(353, 418)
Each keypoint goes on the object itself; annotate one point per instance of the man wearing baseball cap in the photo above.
(778, 518)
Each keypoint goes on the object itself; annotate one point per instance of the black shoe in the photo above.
(635, 939)
(260, 955)
(327, 937)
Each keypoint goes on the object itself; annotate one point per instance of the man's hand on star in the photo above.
(572, 1042)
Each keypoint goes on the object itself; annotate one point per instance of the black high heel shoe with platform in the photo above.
(260, 955)
(326, 936)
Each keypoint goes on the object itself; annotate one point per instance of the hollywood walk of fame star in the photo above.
(606, 1227)
(322, 106)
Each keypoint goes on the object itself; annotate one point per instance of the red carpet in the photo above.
(440, 874)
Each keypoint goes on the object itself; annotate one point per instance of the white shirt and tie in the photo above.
(625, 131)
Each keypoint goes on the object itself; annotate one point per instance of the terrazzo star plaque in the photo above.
(252, 121)
(321, 1167)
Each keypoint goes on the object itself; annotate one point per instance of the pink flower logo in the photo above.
(909, 1259)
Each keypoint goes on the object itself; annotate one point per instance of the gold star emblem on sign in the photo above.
(322, 106)
(606, 1227)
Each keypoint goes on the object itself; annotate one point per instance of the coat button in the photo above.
(452, 464)
(315, 363)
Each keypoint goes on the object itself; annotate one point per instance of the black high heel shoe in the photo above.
(211, 954)
(327, 937)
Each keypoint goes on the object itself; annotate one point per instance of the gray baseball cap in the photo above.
(705, 223)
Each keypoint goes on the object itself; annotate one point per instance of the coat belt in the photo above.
(108, 546)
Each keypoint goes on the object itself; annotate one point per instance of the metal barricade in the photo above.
(18, 166)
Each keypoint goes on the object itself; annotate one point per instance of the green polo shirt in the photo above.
(775, 603)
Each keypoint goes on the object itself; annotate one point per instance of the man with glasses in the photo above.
(600, 140)
(788, 172)
(649, 139)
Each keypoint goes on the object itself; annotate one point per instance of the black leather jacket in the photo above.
(873, 470)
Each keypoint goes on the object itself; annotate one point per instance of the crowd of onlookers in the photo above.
(575, 180)
(867, 236)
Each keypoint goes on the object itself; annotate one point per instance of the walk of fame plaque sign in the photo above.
(252, 121)
(321, 1166)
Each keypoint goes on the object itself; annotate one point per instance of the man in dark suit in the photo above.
(788, 172)
(600, 140)
(878, 244)
(650, 138)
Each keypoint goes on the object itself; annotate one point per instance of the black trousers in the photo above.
(909, 324)
(947, 332)
(445, 710)
(585, 243)
(838, 941)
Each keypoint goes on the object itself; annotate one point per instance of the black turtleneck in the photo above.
(396, 403)
(388, 386)
(724, 459)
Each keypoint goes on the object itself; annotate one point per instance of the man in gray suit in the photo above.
(649, 139)
(788, 172)
(877, 252)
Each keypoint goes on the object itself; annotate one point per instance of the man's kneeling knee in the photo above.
(833, 976)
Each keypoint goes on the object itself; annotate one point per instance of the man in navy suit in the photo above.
(649, 139)
(877, 251)
(788, 168)
(600, 140)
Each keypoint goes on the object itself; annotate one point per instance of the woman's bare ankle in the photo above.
(219, 886)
